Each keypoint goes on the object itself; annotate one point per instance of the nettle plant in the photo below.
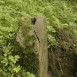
(59, 14)
(8, 63)
(10, 13)
(9, 66)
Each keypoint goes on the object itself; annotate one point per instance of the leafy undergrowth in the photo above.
(61, 17)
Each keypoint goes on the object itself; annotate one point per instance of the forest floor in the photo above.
(63, 57)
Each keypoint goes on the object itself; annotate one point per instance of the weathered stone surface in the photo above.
(41, 45)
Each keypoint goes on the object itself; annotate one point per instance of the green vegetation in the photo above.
(60, 14)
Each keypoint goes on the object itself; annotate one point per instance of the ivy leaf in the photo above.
(29, 74)
(11, 58)
(16, 69)
(5, 61)
(52, 39)
(16, 57)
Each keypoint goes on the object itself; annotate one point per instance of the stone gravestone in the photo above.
(38, 29)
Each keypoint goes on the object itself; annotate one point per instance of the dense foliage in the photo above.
(59, 14)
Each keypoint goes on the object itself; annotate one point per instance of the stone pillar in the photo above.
(38, 29)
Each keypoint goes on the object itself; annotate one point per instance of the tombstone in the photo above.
(38, 30)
